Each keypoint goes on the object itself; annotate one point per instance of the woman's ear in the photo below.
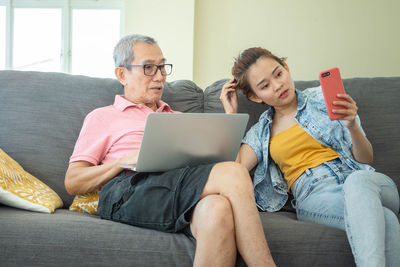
(120, 74)
(252, 97)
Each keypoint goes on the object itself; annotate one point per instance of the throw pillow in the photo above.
(86, 203)
(20, 189)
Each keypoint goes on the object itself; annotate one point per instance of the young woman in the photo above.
(325, 164)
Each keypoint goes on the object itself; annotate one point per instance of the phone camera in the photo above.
(326, 74)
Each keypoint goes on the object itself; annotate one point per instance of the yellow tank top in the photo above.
(295, 151)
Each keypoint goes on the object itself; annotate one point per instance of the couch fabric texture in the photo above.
(41, 115)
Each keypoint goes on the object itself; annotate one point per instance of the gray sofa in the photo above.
(40, 118)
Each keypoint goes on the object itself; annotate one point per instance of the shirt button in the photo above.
(334, 147)
(320, 137)
(306, 125)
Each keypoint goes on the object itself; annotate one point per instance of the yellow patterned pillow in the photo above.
(86, 203)
(20, 189)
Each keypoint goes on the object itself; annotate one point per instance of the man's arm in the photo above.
(83, 177)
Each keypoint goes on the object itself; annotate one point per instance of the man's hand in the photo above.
(130, 159)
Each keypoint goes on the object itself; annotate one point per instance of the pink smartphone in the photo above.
(332, 84)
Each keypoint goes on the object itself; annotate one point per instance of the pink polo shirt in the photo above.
(111, 132)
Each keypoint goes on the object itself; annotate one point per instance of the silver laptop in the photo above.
(177, 140)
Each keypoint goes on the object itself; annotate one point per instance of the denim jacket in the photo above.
(270, 187)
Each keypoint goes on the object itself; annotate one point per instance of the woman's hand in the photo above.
(229, 97)
(362, 148)
(350, 111)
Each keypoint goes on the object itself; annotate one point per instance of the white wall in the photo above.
(360, 37)
(171, 23)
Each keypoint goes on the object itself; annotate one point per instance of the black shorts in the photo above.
(162, 201)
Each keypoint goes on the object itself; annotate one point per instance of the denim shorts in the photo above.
(161, 201)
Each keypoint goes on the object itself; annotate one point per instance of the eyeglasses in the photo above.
(151, 69)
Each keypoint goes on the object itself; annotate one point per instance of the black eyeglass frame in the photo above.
(159, 67)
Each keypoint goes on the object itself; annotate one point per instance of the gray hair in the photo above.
(123, 53)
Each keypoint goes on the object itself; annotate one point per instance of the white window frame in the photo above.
(66, 7)
(6, 4)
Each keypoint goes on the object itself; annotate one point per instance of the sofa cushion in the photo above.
(68, 238)
(86, 203)
(184, 96)
(20, 189)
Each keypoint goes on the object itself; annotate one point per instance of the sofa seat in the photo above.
(68, 238)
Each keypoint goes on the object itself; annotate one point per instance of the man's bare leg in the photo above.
(232, 180)
(213, 227)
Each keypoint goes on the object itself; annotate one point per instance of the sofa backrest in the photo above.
(213, 104)
(41, 115)
(378, 102)
(378, 107)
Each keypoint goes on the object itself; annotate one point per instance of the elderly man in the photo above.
(213, 203)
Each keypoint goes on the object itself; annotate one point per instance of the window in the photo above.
(2, 37)
(94, 35)
(73, 36)
(35, 49)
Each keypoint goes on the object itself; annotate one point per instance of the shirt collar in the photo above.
(121, 103)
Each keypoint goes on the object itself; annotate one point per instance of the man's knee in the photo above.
(213, 214)
(233, 175)
(231, 167)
